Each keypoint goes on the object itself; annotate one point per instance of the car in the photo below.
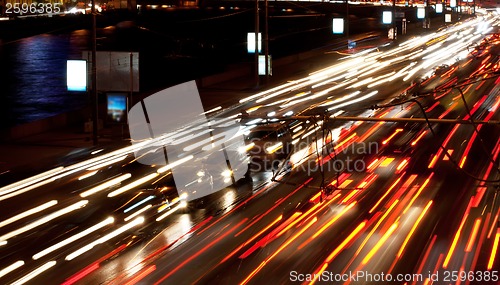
(126, 206)
(270, 144)
(237, 168)
(441, 69)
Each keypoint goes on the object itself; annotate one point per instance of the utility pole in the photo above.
(256, 54)
(394, 27)
(266, 41)
(347, 21)
(93, 92)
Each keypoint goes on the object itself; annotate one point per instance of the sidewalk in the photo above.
(53, 147)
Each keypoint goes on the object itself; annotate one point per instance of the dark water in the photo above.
(33, 77)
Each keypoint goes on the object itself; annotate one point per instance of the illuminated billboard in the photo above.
(76, 75)
(338, 25)
(251, 42)
(117, 107)
(387, 17)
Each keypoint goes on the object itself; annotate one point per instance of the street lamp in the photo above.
(93, 93)
(256, 53)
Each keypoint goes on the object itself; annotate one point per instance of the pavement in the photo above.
(36, 153)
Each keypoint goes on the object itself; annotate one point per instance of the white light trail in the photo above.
(87, 175)
(73, 238)
(174, 164)
(44, 220)
(11, 268)
(133, 184)
(106, 185)
(354, 100)
(28, 181)
(182, 204)
(28, 213)
(142, 210)
(34, 273)
(109, 162)
(105, 238)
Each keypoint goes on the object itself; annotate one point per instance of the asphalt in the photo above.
(41, 151)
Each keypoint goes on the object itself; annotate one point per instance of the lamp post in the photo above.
(347, 22)
(394, 28)
(93, 92)
(266, 42)
(256, 53)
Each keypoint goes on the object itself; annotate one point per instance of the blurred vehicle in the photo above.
(144, 202)
(126, 206)
(237, 169)
(441, 69)
(271, 143)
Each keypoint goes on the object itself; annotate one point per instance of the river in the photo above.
(33, 77)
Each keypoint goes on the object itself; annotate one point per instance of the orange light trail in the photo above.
(432, 107)
(367, 182)
(189, 259)
(418, 192)
(479, 196)
(465, 64)
(290, 240)
(348, 197)
(472, 139)
(473, 235)
(322, 229)
(392, 136)
(345, 183)
(402, 164)
(86, 271)
(338, 146)
(493, 251)
(320, 271)
(448, 73)
(480, 84)
(495, 106)
(370, 131)
(413, 143)
(274, 207)
(387, 161)
(408, 237)
(297, 220)
(372, 164)
(141, 275)
(454, 243)
(493, 226)
(379, 244)
(376, 226)
(345, 242)
(385, 195)
(426, 255)
(237, 207)
(315, 197)
(434, 159)
(496, 152)
(448, 110)
(476, 106)
(251, 239)
(385, 113)
(264, 240)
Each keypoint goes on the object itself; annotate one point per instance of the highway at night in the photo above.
(352, 202)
